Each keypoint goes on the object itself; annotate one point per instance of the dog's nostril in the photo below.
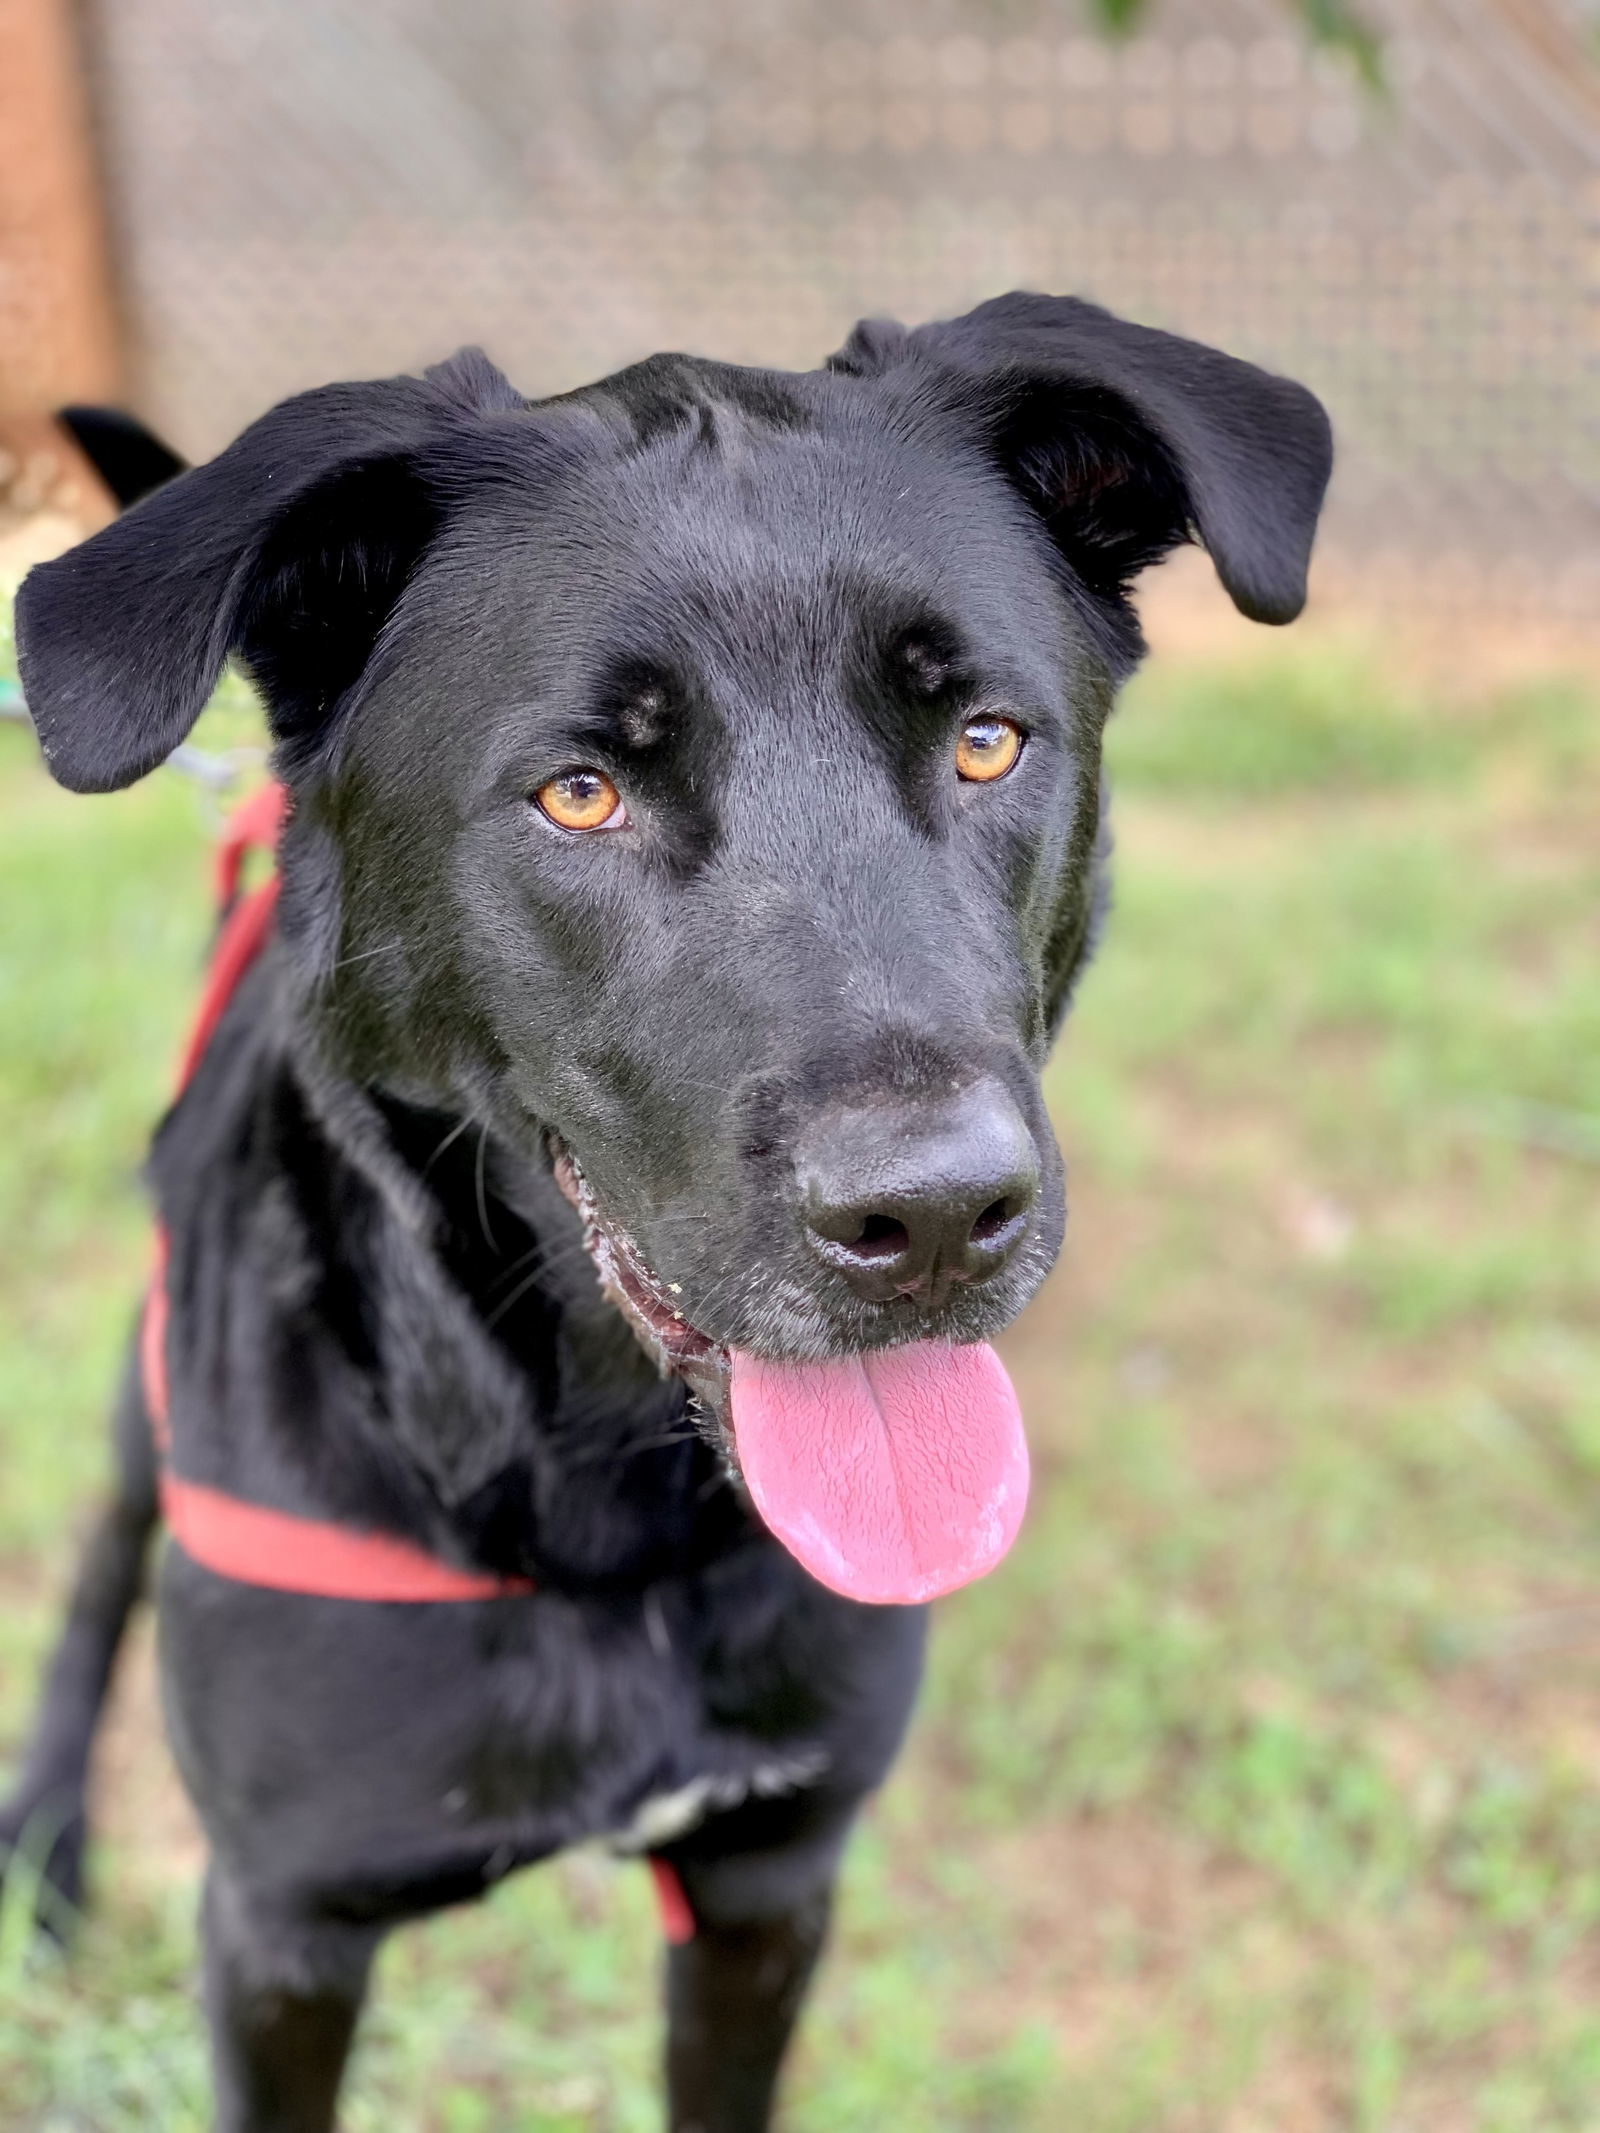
(996, 1217)
(913, 1196)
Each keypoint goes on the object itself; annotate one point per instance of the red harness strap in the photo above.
(240, 1540)
(672, 1902)
(247, 1542)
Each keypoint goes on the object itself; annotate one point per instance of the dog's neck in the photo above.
(447, 1274)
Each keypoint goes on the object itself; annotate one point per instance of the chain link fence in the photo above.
(301, 189)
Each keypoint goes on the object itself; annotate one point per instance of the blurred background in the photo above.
(221, 201)
(1260, 1790)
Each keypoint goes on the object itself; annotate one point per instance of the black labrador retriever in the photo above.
(604, 1181)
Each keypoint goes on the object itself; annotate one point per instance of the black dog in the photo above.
(695, 837)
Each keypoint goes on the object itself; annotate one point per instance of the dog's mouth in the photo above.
(892, 1476)
(646, 1302)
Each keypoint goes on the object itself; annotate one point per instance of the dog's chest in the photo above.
(613, 1746)
(622, 1734)
(660, 1817)
(397, 1758)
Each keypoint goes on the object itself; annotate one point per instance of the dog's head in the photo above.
(697, 778)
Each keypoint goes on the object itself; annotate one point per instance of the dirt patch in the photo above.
(1106, 1912)
(1103, 1914)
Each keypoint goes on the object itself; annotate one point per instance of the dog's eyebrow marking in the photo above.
(927, 660)
(643, 715)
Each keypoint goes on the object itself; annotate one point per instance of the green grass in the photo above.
(1261, 1787)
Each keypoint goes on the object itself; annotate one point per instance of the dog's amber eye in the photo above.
(581, 800)
(987, 749)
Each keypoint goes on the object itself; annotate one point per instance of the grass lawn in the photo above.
(1260, 1790)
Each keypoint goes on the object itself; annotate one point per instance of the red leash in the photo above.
(244, 1541)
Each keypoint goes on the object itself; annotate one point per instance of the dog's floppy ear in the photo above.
(289, 549)
(1130, 441)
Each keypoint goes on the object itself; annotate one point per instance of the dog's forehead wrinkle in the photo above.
(821, 494)
(658, 398)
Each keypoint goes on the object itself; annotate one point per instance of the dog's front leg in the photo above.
(735, 1989)
(283, 1992)
(733, 1993)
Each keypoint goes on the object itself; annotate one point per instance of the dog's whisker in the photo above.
(599, 1454)
(365, 955)
(455, 1133)
(509, 1303)
(544, 1251)
(482, 1188)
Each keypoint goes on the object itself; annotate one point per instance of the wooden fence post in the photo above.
(58, 321)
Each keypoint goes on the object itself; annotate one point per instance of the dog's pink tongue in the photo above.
(893, 1476)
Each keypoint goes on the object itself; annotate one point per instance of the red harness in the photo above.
(240, 1540)
(247, 1542)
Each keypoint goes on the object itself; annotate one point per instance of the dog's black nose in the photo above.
(907, 1198)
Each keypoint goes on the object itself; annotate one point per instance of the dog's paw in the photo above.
(42, 1842)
